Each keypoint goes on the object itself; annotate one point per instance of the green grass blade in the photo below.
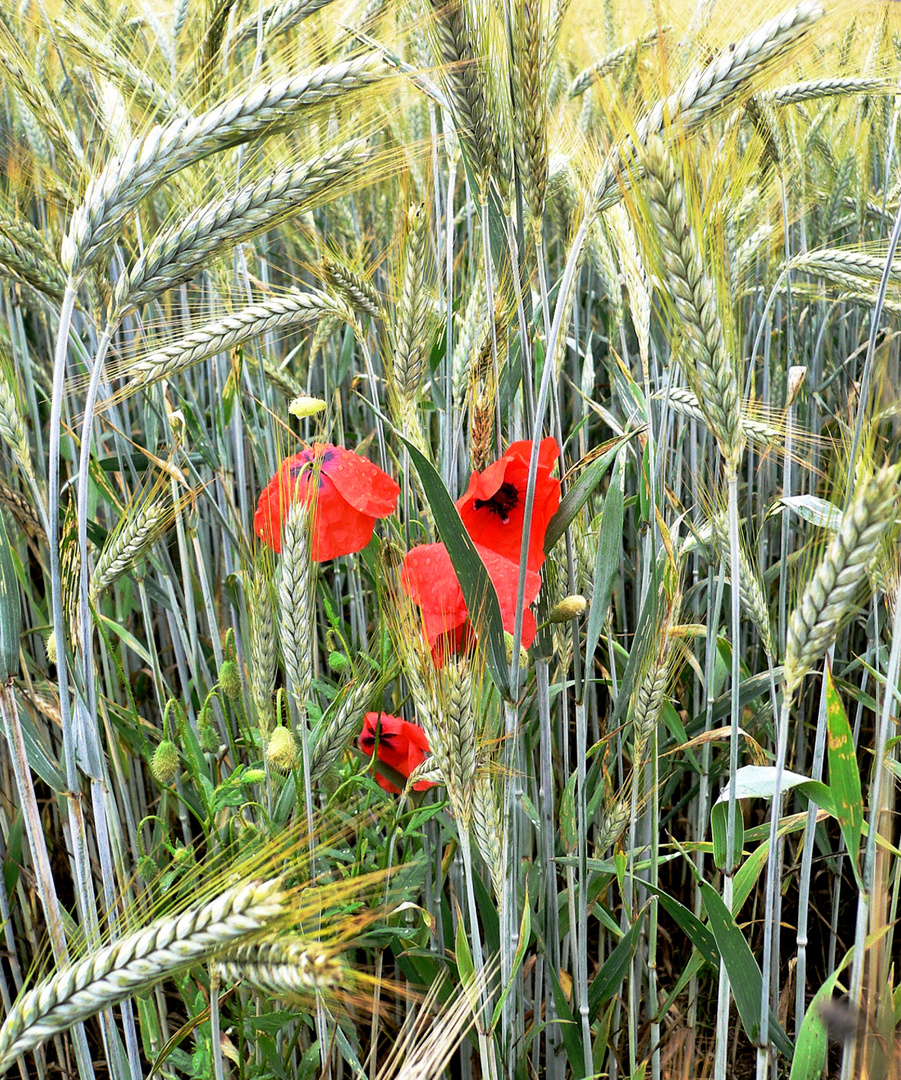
(844, 775)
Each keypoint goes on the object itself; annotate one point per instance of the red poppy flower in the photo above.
(401, 745)
(350, 495)
(428, 578)
(492, 507)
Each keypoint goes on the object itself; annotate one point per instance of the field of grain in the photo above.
(450, 540)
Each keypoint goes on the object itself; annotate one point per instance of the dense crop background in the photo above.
(660, 842)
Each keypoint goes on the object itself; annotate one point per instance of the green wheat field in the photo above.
(450, 541)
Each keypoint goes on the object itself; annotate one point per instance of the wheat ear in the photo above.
(289, 968)
(149, 160)
(710, 370)
(25, 257)
(130, 541)
(12, 426)
(612, 61)
(464, 83)
(486, 828)
(831, 592)
(529, 117)
(293, 309)
(135, 963)
(296, 602)
(709, 89)
(337, 730)
(277, 19)
(685, 403)
(356, 290)
(175, 255)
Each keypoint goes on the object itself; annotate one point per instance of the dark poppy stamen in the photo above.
(504, 500)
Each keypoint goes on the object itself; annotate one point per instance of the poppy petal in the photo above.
(360, 483)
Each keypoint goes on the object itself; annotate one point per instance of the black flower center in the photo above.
(502, 502)
(307, 460)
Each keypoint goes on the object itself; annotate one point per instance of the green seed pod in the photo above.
(208, 735)
(164, 766)
(337, 661)
(570, 607)
(230, 680)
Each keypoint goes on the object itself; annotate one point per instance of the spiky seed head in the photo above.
(50, 646)
(796, 377)
(230, 680)
(165, 762)
(570, 607)
(281, 752)
(337, 661)
(206, 731)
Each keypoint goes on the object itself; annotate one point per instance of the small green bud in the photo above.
(570, 607)
(209, 736)
(337, 661)
(50, 646)
(523, 653)
(164, 765)
(230, 680)
(281, 750)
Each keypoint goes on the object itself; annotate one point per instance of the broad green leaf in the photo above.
(478, 590)
(609, 979)
(10, 611)
(580, 492)
(809, 508)
(759, 782)
(610, 542)
(744, 974)
(461, 948)
(844, 775)
(810, 1048)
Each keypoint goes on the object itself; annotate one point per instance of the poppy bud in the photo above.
(164, 764)
(50, 646)
(306, 406)
(230, 680)
(337, 661)
(523, 652)
(570, 607)
(208, 736)
(281, 751)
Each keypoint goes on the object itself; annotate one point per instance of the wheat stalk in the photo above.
(750, 592)
(149, 160)
(262, 640)
(296, 600)
(291, 968)
(175, 255)
(134, 963)
(219, 335)
(710, 370)
(831, 592)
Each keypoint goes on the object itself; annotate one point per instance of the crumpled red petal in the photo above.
(402, 746)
